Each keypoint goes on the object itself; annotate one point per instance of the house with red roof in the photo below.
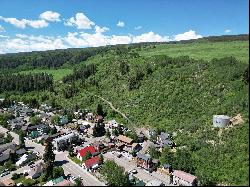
(182, 178)
(92, 163)
(82, 152)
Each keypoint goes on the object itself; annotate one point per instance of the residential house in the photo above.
(124, 139)
(25, 112)
(164, 140)
(182, 178)
(63, 120)
(83, 128)
(162, 137)
(16, 123)
(92, 163)
(98, 146)
(136, 147)
(6, 146)
(144, 161)
(50, 137)
(45, 117)
(36, 171)
(63, 142)
(64, 183)
(25, 159)
(152, 133)
(166, 169)
(7, 182)
(82, 153)
(112, 124)
(99, 119)
(141, 137)
(20, 151)
(89, 116)
(5, 155)
(60, 181)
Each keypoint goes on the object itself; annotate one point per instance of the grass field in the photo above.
(206, 51)
(57, 74)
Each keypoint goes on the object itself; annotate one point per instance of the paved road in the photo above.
(72, 168)
(61, 157)
(142, 174)
(14, 135)
(20, 170)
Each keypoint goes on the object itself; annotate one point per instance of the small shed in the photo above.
(221, 121)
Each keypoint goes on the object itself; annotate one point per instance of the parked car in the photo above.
(134, 171)
(73, 178)
(31, 163)
(119, 156)
(5, 173)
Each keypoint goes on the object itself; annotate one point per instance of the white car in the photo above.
(73, 178)
(134, 171)
(5, 173)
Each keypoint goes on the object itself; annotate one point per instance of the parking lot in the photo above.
(130, 164)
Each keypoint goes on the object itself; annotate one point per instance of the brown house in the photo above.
(98, 146)
(124, 139)
(144, 161)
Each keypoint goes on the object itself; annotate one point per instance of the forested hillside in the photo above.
(175, 87)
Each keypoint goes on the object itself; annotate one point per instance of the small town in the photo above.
(76, 147)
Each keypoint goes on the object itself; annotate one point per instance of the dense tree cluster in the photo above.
(25, 83)
(115, 175)
(81, 73)
(49, 59)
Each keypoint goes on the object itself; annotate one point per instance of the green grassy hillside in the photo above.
(180, 94)
(57, 74)
(206, 50)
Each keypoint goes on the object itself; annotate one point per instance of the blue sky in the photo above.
(83, 23)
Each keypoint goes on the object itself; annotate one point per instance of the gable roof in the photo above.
(58, 180)
(185, 176)
(83, 151)
(164, 135)
(124, 139)
(6, 146)
(143, 157)
(64, 183)
(37, 169)
(91, 162)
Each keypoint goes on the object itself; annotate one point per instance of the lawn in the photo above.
(75, 159)
(206, 51)
(57, 74)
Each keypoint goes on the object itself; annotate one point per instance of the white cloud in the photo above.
(75, 41)
(187, 36)
(3, 36)
(99, 29)
(150, 37)
(25, 43)
(138, 27)
(50, 16)
(80, 20)
(2, 28)
(24, 22)
(37, 23)
(120, 24)
(227, 31)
